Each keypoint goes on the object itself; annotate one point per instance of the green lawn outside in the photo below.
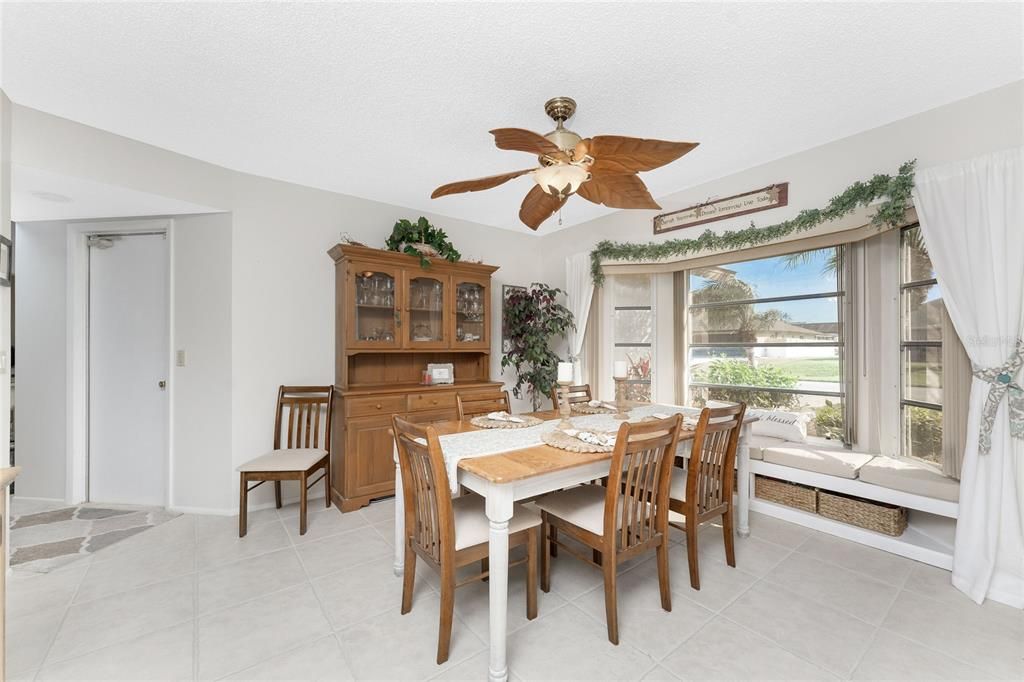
(806, 369)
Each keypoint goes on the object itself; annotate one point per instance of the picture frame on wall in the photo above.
(506, 289)
(6, 256)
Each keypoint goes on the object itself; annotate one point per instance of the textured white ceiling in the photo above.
(387, 101)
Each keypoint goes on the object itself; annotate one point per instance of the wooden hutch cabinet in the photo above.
(392, 318)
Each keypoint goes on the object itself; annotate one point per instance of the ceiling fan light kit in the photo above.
(602, 169)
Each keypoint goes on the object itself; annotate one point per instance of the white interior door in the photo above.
(128, 353)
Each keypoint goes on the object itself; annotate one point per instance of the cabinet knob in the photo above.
(433, 402)
(379, 406)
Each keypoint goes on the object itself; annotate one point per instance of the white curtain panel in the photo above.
(579, 289)
(972, 220)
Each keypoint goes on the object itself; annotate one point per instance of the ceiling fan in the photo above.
(601, 169)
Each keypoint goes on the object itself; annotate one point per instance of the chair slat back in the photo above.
(303, 417)
(473, 404)
(428, 506)
(577, 394)
(638, 480)
(713, 456)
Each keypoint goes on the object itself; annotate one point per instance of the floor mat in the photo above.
(42, 540)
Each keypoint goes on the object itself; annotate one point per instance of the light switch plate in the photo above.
(179, 358)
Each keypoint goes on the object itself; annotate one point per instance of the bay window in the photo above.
(769, 332)
(921, 322)
(633, 331)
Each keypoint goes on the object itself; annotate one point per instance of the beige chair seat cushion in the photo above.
(759, 443)
(581, 506)
(910, 477)
(473, 528)
(296, 459)
(821, 460)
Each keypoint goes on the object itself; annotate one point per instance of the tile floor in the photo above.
(189, 600)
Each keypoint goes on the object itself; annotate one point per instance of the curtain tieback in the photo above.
(1001, 383)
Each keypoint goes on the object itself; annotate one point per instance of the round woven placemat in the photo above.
(564, 441)
(486, 423)
(583, 408)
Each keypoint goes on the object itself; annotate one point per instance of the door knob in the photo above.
(162, 384)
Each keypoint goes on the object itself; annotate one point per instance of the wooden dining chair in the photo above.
(473, 404)
(577, 394)
(449, 533)
(702, 491)
(305, 411)
(627, 517)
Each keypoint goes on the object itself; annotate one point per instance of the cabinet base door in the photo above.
(369, 458)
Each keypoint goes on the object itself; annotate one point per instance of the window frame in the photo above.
(845, 354)
(904, 345)
(650, 347)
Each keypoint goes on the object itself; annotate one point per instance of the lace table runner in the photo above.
(459, 446)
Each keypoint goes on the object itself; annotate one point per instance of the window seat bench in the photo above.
(931, 497)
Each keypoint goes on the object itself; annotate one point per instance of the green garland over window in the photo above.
(896, 188)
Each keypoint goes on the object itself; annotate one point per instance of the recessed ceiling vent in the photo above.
(52, 196)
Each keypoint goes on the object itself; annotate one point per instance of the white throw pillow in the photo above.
(791, 426)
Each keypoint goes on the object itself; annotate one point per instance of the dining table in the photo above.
(504, 470)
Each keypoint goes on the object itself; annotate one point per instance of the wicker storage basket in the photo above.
(783, 492)
(877, 516)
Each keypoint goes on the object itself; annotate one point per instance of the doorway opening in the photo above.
(118, 362)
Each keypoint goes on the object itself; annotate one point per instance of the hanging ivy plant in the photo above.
(896, 189)
(533, 317)
(423, 240)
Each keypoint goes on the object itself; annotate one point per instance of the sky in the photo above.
(770, 278)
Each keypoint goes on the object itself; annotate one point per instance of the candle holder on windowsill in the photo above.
(620, 403)
(564, 409)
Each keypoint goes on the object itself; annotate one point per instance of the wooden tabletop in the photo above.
(537, 460)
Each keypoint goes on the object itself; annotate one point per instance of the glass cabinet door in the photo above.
(472, 301)
(375, 317)
(425, 304)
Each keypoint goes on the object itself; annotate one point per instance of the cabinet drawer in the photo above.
(361, 407)
(430, 401)
(433, 416)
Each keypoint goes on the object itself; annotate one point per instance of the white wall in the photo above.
(41, 351)
(201, 390)
(281, 287)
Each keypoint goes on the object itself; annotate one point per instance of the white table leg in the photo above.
(399, 521)
(499, 511)
(743, 482)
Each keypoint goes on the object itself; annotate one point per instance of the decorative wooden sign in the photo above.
(762, 199)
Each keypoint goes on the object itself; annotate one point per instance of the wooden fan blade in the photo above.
(617, 154)
(519, 140)
(581, 150)
(617, 190)
(538, 206)
(477, 184)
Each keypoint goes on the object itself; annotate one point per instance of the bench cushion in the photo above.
(759, 443)
(821, 460)
(910, 477)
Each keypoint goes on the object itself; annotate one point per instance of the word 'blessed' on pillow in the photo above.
(791, 426)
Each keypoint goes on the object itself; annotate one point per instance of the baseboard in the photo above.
(39, 499)
(233, 511)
